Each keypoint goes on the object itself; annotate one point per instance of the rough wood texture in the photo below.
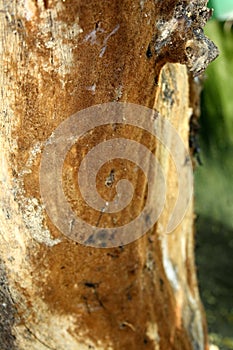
(58, 58)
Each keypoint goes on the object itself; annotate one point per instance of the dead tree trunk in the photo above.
(59, 57)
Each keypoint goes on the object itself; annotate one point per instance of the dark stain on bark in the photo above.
(7, 313)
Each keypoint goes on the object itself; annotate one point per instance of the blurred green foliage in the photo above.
(214, 190)
(218, 89)
(214, 181)
(223, 10)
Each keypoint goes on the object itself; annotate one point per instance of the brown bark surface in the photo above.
(59, 57)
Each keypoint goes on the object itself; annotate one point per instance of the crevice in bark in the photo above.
(38, 339)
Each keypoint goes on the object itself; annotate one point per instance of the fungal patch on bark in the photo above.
(31, 209)
(32, 213)
(180, 36)
(100, 41)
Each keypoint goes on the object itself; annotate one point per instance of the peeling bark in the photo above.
(60, 57)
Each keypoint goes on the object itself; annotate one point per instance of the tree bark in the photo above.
(60, 57)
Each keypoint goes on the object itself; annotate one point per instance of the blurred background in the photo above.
(214, 182)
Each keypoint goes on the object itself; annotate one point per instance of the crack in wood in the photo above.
(38, 339)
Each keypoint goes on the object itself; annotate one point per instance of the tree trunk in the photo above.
(60, 57)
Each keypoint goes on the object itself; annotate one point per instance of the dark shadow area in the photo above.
(215, 268)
